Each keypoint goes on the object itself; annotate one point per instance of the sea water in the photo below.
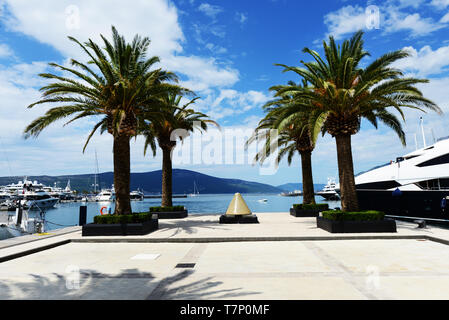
(67, 214)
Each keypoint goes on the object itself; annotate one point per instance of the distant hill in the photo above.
(288, 187)
(150, 182)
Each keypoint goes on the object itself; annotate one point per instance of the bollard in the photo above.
(19, 214)
(83, 215)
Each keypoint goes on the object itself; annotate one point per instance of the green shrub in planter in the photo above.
(123, 218)
(167, 209)
(369, 215)
(317, 206)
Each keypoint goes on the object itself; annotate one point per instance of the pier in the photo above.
(283, 257)
(157, 196)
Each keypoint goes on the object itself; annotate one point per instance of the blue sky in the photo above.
(224, 51)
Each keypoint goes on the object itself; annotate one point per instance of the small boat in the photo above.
(195, 190)
(15, 228)
(292, 193)
(262, 200)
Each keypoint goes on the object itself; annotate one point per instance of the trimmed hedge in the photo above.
(123, 218)
(318, 206)
(167, 209)
(369, 215)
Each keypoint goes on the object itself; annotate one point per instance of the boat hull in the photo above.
(329, 195)
(426, 204)
(41, 204)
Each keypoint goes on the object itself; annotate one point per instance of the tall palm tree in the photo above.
(342, 92)
(116, 92)
(294, 135)
(160, 127)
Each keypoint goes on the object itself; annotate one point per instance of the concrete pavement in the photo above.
(281, 258)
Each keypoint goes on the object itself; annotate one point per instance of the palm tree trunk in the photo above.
(166, 177)
(122, 171)
(308, 193)
(348, 191)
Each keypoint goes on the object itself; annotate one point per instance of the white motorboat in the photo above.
(37, 200)
(106, 195)
(328, 191)
(136, 195)
(15, 226)
(292, 193)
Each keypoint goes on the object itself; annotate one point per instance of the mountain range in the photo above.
(150, 183)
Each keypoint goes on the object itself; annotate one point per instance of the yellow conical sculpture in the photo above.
(238, 206)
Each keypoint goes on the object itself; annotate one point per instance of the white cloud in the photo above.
(392, 18)
(232, 102)
(414, 23)
(202, 73)
(5, 51)
(210, 10)
(440, 4)
(215, 49)
(156, 19)
(425, 61)
(345, 20)
(241, 17)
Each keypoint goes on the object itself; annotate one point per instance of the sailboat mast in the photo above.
(422, 131)
(96, 172)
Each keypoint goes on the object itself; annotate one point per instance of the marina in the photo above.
(66, 214)
(216, 125)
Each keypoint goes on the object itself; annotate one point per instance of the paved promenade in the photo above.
(283, 257)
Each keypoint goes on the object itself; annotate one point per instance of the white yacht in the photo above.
(136, 195)
(328, 191)
(106, 195)
(31, 194)
(58, 192)
(37, 199)
(17, 188)
(292, 193)
(415, 185)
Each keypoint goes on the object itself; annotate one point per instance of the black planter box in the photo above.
(239, 219)
(304, 213)
(123, 229)
(172, 214)
(334, 226)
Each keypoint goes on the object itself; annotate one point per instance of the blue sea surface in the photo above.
(67, 214)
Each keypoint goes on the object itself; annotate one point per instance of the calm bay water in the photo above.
(67, 214)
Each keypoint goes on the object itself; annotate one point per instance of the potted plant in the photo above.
(337, 221)
(174, 212)
(308, 210)
(121, 225)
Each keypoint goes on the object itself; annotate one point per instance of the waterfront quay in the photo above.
(282, 257)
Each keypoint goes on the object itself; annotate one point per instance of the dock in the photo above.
(157, 196)
(282, 257)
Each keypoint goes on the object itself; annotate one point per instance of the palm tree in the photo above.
(341, 93)
(294, 135)
(161, 128)
(116, 92)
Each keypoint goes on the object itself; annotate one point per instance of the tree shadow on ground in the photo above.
(190, 226)
(129, 284)
(205, 288)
